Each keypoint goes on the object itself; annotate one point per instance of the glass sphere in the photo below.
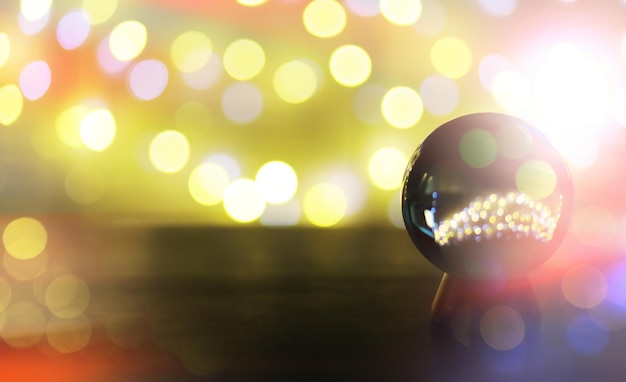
(486, 196)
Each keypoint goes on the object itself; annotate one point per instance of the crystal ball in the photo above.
(486, 196)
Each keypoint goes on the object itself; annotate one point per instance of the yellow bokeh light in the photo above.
(98, 11)
(386, 168)
(191, 51)
(67, 296)
(244, 59)
(24, 238)
(34, 9)
(169, 151)
(5, 49)
(277, 181)
(23, 325)
(97, 129)
(402, 107)
(325, 204)
(207, 183)
(68, 335)
(511, 90)
(350, 65)
(67, 125)
(243, 202)
(85, 184)
(251, 3)
(478, 148)
(401, 12)
(23, 270)
(295, 81)
(324, 18)
(451, 57)
(536, 178)
(11, 104)
(127, 40)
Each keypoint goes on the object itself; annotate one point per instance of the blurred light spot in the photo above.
(324, 205)
(536, 179)
(363, 8)
(127, 331)
(5, 49)
(244, 59)
(451, 57)
(386, 168)
(97, 129)
(616, 284)
(402, 107)
(433, 19)
(580, 147)
(594, 226)
(478, 148)
(85, 184)
(324, 18)
(502, 328)
(35, 79)
(23, 269)
(243, 201)
(351, 184)
(127, 40)
(401, 12)
(584, 336)
(511, 90)
(228, 162)
(34, 9)
(31, 27)
(281, 215)
(584, 286)
(68, 335)
(107, 61)
(350, 65)
(191, 51)
(277, 182)
(67, 125)
(439, 94)
(514, 141)
(490, 66)
(618, 109)
(193, 119)
(23, 325)
(571, 90)
(207, 183)
(367, 101)
(6, 293)
(394, 211)
(608, 316)
(24, 238)
(242, 102)
(295, 81)
(67, 296)
(206, 76)
(169, 151)
(73, 29)
(148, 79)
(11, 104)
(251, 3)
(498, 7)
(98, 11)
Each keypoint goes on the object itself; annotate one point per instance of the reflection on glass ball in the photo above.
(486, 196)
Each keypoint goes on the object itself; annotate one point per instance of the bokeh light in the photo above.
(324, 204)
(85, 184)
(324, 18)
(206, 76)
(207, 183)
(35, 79)
(191, 51)
(498, 7)
(350, 65)
(67, 296)
(386, 168)
(22, 269)
(68, 335)
(169, 151)
(243, 201)
(148, 79)
(277, 182)
(492, 65)
(97, 129)
(402, 107)
(73, 29)
(24, 238)
(98, 11)
(23, 325)
(451, 57)
(31, 27)
(401, 12)
(242, 102)
(536, 178)
(502, 328)
(11, 104)
(363, 8)
(440, 95)
(511, 90)
(107, 62)
(251, 3)
(478, 148)
(34, 9)
(585, 336)
(584, 286)
(5, 49)
(295, 81)
(67, 125)
(127, 40)
(244, 59)
(433, 19)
